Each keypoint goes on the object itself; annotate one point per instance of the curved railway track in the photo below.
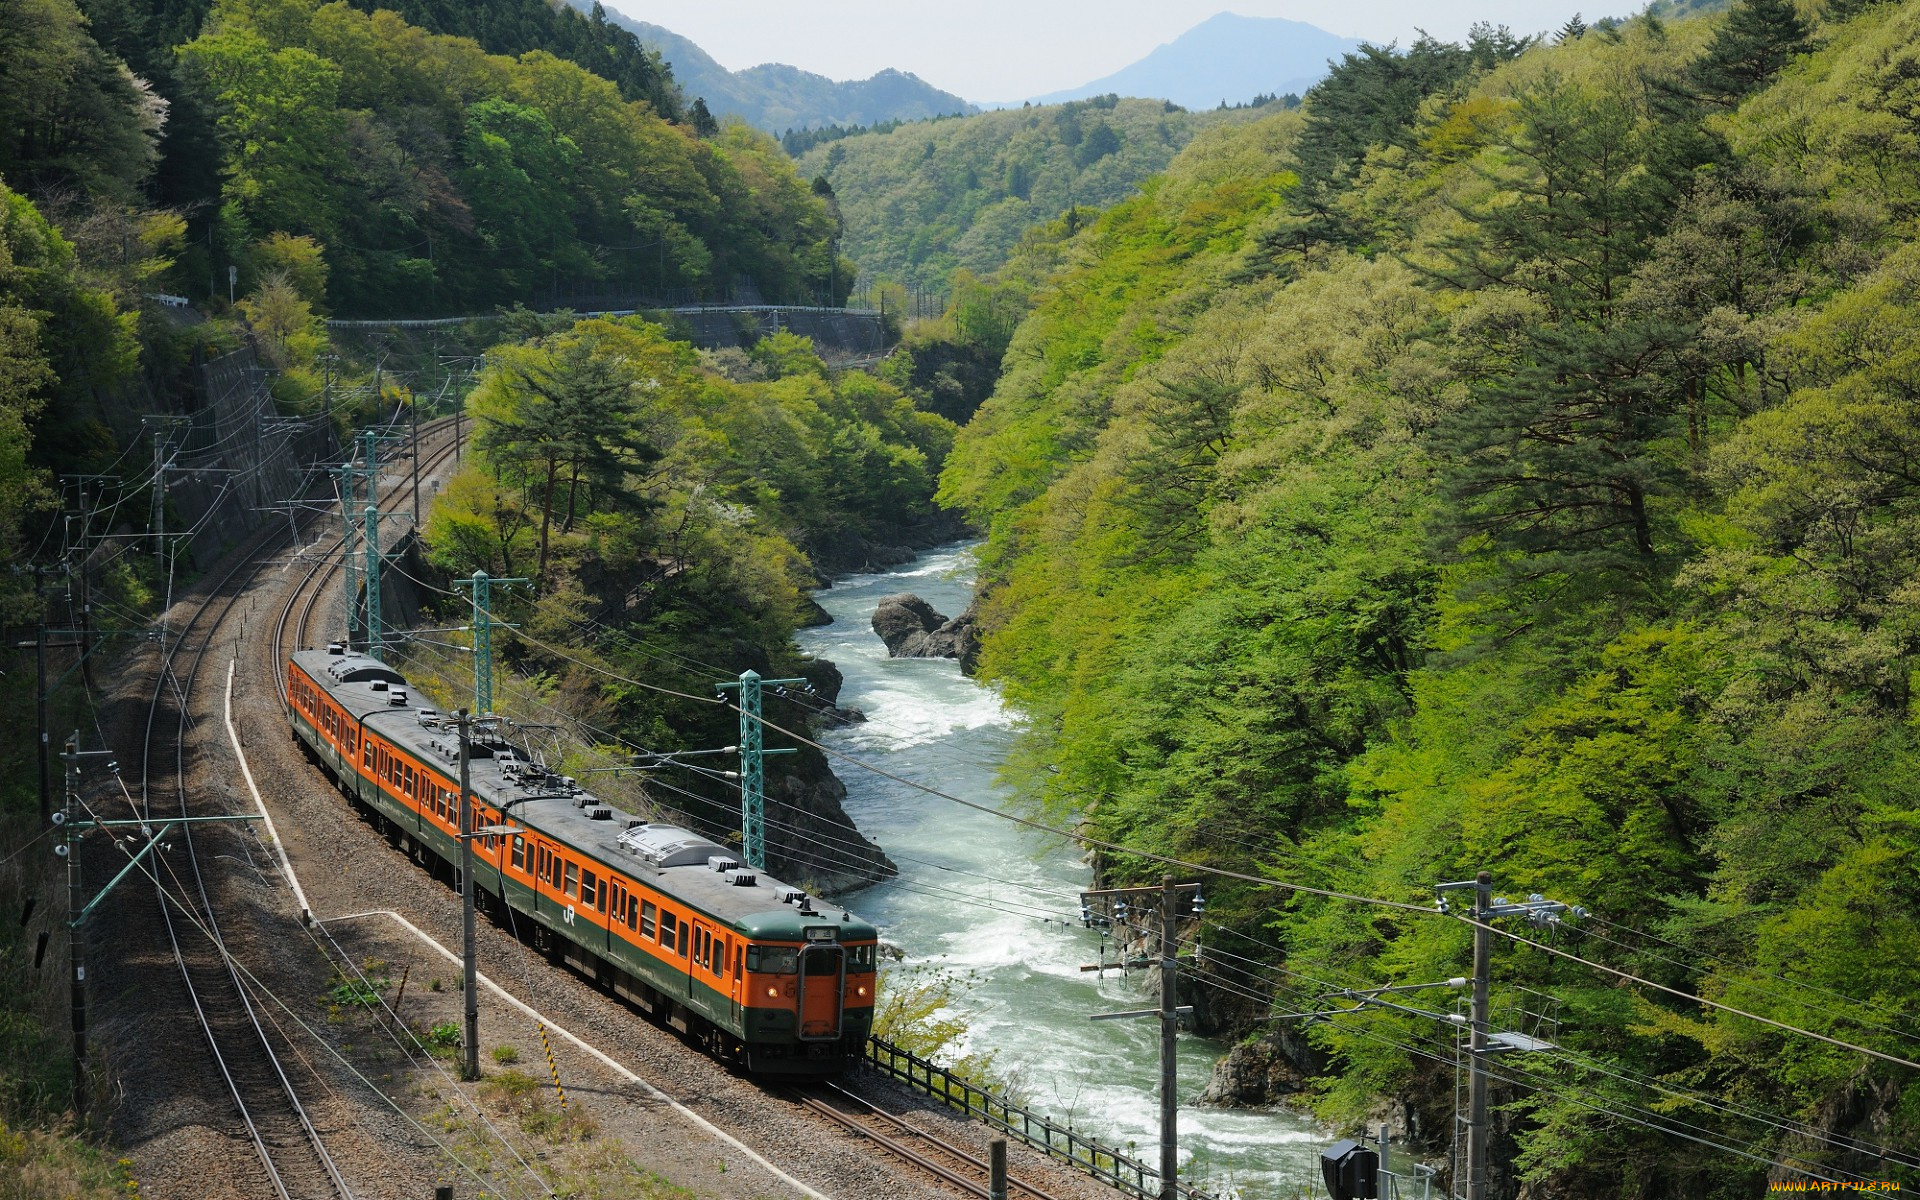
(950, 1164)
(288, 1144)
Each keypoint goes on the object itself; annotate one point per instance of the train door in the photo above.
(823, 982)
(735, 982)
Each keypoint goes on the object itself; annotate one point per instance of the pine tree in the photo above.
(1553, 465)
(1572, 30)
(1757, 40)
(701, 118)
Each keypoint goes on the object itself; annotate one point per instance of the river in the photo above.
(998, 904)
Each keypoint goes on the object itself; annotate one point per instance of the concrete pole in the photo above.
(1169, 1065)
(76, 936)
(1477, 1046)
(997, 1169)
(41, 702)
(470, 989)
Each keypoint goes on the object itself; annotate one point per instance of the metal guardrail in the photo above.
(432, 322)
(1103, 1162)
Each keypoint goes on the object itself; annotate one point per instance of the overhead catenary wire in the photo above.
(1221, 872)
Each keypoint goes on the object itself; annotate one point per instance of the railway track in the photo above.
(950, 1164)
(305, 595)
(247, 1054)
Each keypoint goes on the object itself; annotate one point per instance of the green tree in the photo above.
(1558, 459)
(1757, 39)
(70, 114)
(560, 417)
(702, 121)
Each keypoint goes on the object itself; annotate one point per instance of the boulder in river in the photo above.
(912, 628)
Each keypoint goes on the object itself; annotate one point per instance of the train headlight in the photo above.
(861, 991)
(773, 992)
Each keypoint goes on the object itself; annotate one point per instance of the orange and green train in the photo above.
(746, 965)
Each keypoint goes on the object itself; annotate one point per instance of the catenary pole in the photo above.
(470, 978)
(373, 581)
(753, 770)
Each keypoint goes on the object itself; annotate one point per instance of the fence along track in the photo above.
(904, 1140)
(1103, 1162)
(289, 1147)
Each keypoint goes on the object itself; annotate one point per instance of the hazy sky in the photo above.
(1010, 49)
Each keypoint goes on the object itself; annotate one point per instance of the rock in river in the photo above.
(912, 628)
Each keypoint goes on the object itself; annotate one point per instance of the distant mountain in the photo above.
(1226, 57)
(776, 97)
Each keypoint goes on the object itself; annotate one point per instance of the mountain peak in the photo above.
(777, 97)
(1227, 57)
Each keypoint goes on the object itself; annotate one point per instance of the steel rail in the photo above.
(902, 1150)
(225, 1059)
(252, 564)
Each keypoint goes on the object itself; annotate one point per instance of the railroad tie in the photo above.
(553, 1068)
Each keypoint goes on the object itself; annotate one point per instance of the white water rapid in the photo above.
(998, 903)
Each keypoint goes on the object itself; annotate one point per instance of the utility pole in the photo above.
(73, 756)
(157, 519)
(1477, 1038)
(413, 410)
(471, 1062)
(41, 703)
(1169, 1065)
(1482, 1042)
(753, 775)
(349, 474)
(483, 623)
(1169, 1012)
(373, 581)
(349, 492)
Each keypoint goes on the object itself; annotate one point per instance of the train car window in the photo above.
(821, 964)
(633, 910)
(589, 888)
(646, 918)
(700, 946)
(366, 755)
(519, 853)
(572, 886)
(668, 923)
(408, 786)
(774, 960)
(683, 941)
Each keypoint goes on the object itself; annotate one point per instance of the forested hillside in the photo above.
(922, 200)
(345, 163)
(1505, 463)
